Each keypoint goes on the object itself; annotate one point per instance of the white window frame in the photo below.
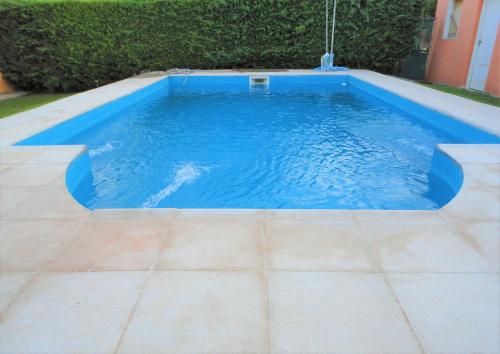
(449, 12)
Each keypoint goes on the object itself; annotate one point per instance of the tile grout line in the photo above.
(11, 211)
(265, 251)
(9, 166)
(454, 226)
(75, 218)
(62, 246)
(38, 273)
(403, 312)
(490, 153)
(465, 237)
(374, 257)
(23, 289)
(243, 270)
(387, 282)
(144, 284)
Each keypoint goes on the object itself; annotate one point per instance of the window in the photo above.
(452, 19)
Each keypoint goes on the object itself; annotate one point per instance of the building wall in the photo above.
(493, 82)
(5, 86)
(449, 59)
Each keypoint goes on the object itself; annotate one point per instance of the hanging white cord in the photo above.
(333, 25)
(326, 26)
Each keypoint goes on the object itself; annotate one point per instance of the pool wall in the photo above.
(79, 176)
(455, 127)
(448, 170)
(61, 133)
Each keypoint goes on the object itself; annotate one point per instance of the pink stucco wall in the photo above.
(449, 59)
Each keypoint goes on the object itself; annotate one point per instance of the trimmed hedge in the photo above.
(75, 45)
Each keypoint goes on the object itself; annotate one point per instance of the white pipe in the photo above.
(333, 24)
(326, 26)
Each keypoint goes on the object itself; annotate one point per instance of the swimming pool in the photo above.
(307, 142)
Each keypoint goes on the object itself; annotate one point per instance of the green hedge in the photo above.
(75, 45)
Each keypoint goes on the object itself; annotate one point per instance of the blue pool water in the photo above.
(215, 142)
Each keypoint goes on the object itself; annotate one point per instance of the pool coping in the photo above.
(469, 156)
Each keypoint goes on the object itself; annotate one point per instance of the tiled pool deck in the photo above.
(260, 281)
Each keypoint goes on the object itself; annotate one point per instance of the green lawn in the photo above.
(30, 101)
(471, 95)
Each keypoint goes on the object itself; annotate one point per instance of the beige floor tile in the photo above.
(474, 202)
(219, 213)
(336, 313)
(396, 215)
(320, 246)
(451, 313)
(309, 215)
(10, 286)
(12, 197)
(493, 150)
(18, 154)
(28, 245)
(5, 167)
(468, 153)
(213, 244)
(467, 183)
(50, 202)
(70, 313)
(200, 312)
(486, 238)
(421, 246)
(20, 131)
(112, 245)
(487, 174)
(32, 175)
(133, 214)
(63, 154)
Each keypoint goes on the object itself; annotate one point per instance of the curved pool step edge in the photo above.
(479, 197)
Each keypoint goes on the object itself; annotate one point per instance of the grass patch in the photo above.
(30, 101)
(471, 95)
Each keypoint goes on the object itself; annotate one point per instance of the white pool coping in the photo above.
(290, 280)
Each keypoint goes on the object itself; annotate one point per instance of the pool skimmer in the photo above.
(259, 81)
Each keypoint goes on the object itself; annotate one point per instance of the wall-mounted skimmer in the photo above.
(262, 81)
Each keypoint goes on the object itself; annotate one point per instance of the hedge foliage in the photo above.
(64, 45)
